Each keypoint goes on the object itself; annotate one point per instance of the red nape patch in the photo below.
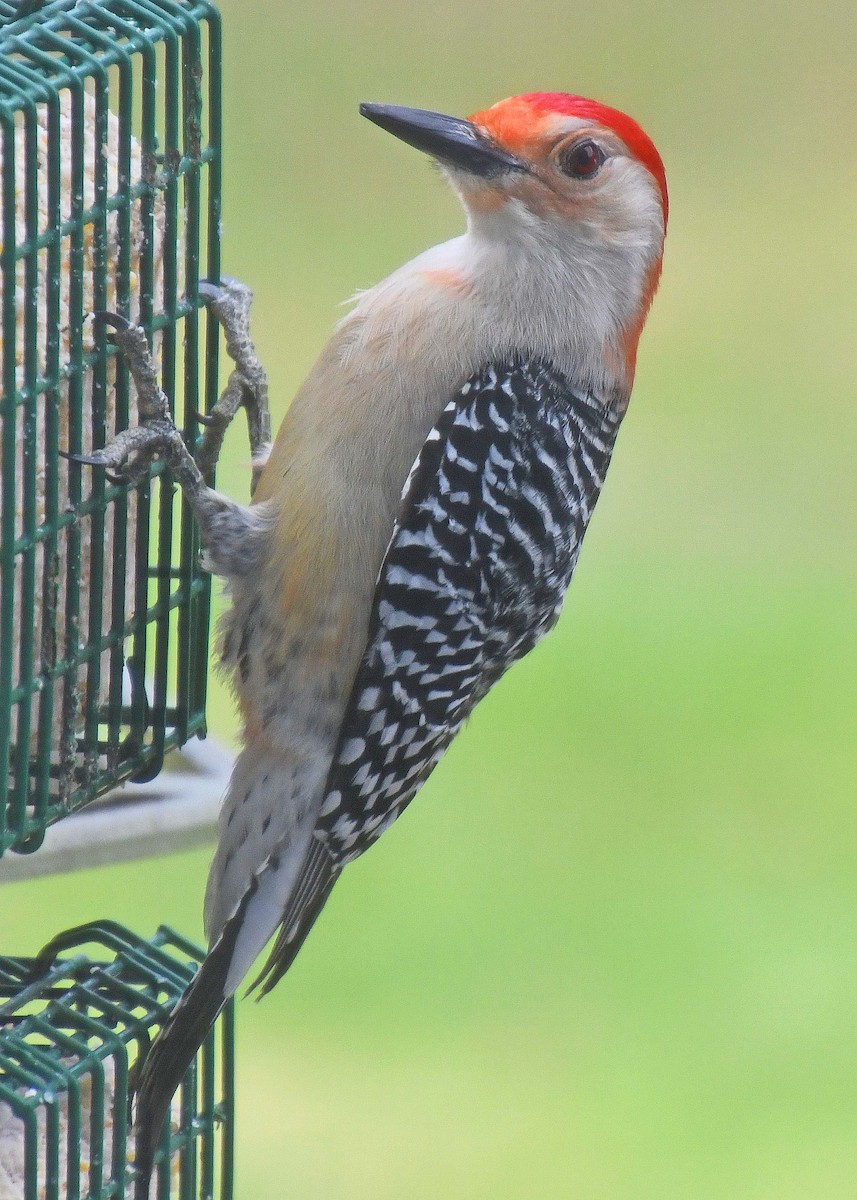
(625, 127)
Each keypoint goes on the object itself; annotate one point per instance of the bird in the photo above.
(417, 520)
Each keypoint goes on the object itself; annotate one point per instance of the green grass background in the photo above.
(611, 951)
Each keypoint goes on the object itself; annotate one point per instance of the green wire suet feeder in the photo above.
(109, 199)
(70, 1040)
(110, 149)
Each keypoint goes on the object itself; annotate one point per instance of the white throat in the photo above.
(566, 291)
(540, 289)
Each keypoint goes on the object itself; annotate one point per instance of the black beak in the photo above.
(449, 139)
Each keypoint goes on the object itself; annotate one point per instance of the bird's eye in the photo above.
(581, 160)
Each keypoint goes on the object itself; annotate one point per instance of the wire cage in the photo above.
(69, 1043)
(110, 149)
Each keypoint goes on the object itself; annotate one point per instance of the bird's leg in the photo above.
(247, 387)
(228, 530)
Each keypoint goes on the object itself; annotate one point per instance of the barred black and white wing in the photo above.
(492, 519)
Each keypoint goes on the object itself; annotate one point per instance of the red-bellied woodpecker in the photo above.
(418, 520)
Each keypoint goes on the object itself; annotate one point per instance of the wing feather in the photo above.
(492, 517)
(314, 885)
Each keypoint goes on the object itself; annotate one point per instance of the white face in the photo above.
(571, 246)
(565, 235)
(580, 176)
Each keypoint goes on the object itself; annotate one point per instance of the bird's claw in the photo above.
(86, 460)
(130, 455)
(118, 478)
(104, 316)
(229, 300)
(202, 418)
(208, 291)
(119, 324)
(216, 291)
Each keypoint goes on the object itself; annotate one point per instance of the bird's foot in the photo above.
(247, 387)
(228, 531)
(130, 455)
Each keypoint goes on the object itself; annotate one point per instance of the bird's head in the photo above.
(556, 174)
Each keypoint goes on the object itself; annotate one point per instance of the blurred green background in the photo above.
(611, 952)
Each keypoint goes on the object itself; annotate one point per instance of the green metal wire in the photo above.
(110, 579)
(72, 1031)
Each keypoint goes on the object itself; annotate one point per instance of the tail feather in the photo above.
(294, 886)
(175, 1047)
